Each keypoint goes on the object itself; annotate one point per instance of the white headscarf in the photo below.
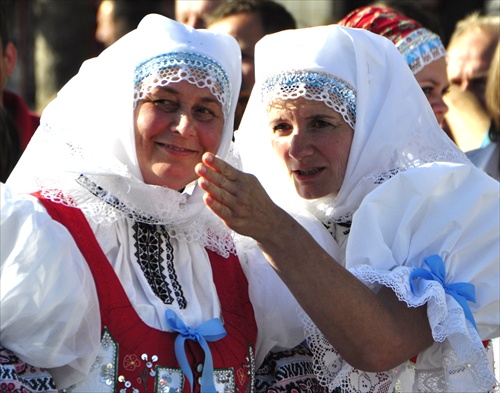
(84, 150)
(408, 193)
(369, 70)
(84, 154)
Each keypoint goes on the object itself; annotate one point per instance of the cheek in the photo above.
(281, 148)
(144, 122)
(210, 139)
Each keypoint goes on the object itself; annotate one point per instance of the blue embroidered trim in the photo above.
(420, 48)
(311, 79)
(178, 59)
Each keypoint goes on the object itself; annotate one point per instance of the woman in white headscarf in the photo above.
(140, 288)
(338, 128)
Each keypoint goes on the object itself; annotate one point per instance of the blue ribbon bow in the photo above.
(211, 330)
(460, 291)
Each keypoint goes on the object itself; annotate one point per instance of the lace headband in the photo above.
(315, 86)
(179, 66)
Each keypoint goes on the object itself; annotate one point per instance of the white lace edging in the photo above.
(465, 366)
(184, 222)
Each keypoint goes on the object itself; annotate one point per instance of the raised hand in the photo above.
(237, 198)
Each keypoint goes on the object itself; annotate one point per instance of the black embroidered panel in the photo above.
(329, 225)
(149, 243)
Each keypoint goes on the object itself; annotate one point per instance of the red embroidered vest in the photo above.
(144, 357)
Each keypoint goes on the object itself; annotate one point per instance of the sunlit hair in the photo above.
(493, 95)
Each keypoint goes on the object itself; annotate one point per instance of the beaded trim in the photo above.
(420, 48)
(317, 86)
(178, 66)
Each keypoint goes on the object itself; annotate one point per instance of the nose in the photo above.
(184, 125)
(300, 146)
(440, 107)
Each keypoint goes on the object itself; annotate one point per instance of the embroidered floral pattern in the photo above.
(289, 371)
(131, 362)
(19, 377)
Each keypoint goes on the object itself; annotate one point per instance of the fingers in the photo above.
(216, 172)
(220, 166)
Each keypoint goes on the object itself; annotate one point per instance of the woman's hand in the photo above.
(237, 198)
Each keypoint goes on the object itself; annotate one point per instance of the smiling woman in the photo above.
(194, 119)
(115, 261)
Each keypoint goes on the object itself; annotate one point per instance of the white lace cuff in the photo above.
(457, 361)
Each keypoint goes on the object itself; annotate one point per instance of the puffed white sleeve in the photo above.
(431, 234)
(277, 312)
(48, 302)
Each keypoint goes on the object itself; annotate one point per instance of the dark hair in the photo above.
(10, 148)
(130, 12)
(4, 28)
(274, 16)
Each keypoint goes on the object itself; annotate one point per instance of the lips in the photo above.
(308, 172)
(174, 148)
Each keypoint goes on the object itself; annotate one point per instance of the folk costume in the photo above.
(112, 284)
(418, 45)
(412, 214)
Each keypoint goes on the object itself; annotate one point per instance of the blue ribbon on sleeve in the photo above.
(211, 330)
(460, 291)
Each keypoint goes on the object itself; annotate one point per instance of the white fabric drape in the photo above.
(409, 192)
(84, 154)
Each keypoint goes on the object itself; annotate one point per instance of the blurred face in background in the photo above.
(194, 12)
(247, 29)
(469, 59)
(8, 59)
(433, 80)
(107, 29)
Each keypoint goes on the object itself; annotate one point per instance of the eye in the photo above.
(164, 104)
(203, 113)
(427, 90)
(281, 128)
(319, 123)
(445, 91)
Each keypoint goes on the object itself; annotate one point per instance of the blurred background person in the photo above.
(47, 59)
(195, 12)
(421, 48)
(15, 110)
(115, 18)
(248, 21)
(470, 53)
(10, 149)
(488, 158)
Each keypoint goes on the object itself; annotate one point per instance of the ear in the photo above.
(10, 58)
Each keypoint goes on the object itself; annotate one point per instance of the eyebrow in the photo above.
(207, 99)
